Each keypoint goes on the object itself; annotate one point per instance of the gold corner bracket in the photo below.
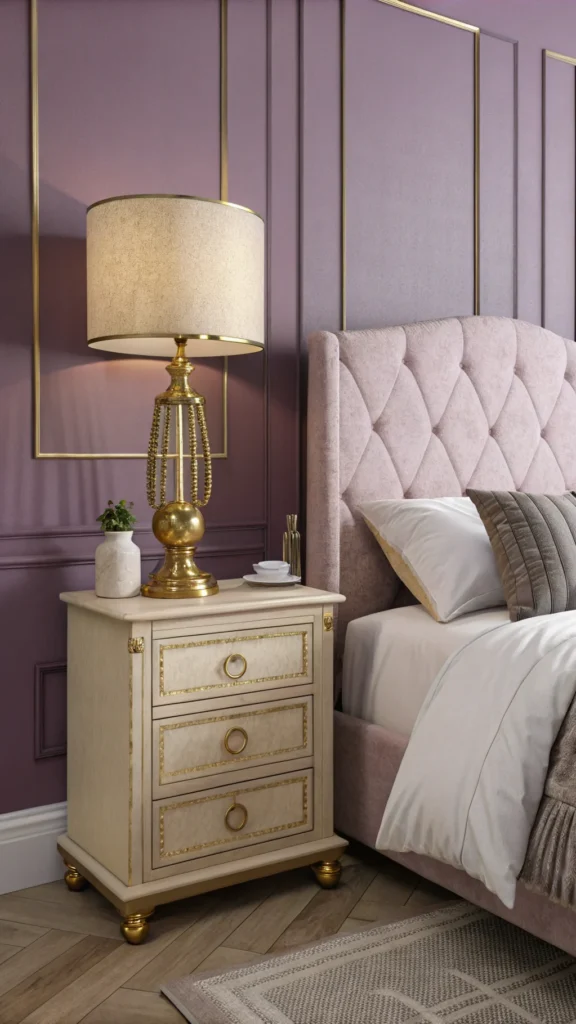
(136, 645)
(35, 241)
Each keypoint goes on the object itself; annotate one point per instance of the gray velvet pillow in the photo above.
(533, 537)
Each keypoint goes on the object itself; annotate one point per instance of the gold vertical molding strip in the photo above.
(454, 23)
(35, 238)
(224, 100)
(476, 270)
(224, 175)
(565, 59)
(344, 205)
(35, 218)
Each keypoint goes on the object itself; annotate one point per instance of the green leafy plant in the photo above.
(117, 518)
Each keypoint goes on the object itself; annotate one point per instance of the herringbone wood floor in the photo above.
(62, 959)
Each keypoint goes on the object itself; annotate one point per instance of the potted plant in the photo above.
(118, 572)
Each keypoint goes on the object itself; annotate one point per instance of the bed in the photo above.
(424, 410)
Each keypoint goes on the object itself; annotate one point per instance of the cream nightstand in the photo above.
(199, 743)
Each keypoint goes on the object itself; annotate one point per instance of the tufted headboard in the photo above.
(427, 410)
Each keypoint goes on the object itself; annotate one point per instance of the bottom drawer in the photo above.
(231, 817)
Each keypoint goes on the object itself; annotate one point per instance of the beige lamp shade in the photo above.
(161, 267)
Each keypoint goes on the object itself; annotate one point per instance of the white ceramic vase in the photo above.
(118, 565)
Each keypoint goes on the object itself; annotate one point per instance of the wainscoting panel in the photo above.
(498, 175)
(50, 710)
(558, 194)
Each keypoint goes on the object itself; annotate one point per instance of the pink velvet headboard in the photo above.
(427, 410)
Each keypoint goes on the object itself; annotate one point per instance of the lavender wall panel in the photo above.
(129, 103)
(498, 178)
(245, 469)
(559, 162)
(321, 167)
(409, 103)
(283, 212)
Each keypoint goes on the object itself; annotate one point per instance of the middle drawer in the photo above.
(192, 746)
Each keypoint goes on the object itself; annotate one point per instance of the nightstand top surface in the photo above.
(234, 596)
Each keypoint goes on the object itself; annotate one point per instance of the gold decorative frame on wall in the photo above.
(35, 238)
(564, 59)
(432, 15)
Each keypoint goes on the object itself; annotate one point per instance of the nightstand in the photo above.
(199, 743)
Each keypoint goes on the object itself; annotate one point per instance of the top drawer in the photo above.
(239, 660)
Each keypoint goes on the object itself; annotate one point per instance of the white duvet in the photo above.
(469, 785)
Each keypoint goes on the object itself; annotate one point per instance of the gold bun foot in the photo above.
(327, 873)
(74, 880)
(179, 526)
(135, 928)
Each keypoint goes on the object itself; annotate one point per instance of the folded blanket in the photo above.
(550, 865)
(474, 782)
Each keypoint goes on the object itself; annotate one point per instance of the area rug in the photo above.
(456, 964)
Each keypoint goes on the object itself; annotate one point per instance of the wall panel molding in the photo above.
(558, 169)
(60, 547)
(390, 55)
(48, 676)
(34, 42)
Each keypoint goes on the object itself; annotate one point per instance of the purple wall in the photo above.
(131, 102)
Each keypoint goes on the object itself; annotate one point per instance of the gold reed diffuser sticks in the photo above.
(291, 546)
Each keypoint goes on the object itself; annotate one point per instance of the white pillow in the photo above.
(440, 549)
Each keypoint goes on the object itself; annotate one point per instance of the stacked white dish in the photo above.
(271, 574)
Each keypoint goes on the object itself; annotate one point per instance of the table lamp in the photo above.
(167, 271)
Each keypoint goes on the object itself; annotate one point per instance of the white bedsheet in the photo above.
(472, 777)
(392, 658)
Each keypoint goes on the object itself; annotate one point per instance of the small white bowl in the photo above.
(271, 569)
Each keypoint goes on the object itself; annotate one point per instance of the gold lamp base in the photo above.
(179, 526)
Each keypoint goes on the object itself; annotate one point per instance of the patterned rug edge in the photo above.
(206, 1012)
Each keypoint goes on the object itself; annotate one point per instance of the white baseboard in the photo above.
(28, 854)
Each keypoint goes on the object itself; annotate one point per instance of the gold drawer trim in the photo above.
(232, 794)
(229, 718)
(231, 682)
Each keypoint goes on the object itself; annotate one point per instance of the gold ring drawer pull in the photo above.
(228, 737)
(235, 657)
(234, 807)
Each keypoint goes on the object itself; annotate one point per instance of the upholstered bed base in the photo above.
(426, 410)
(366, 759)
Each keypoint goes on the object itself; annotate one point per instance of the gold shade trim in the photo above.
(171, 334)
(172, 195)
(444, 20)
(35, 238)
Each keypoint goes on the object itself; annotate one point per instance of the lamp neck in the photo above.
(180, 369)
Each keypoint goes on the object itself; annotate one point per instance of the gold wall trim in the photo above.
(560, 56)
(454, 23)
(35, 238)
(431, 14)
(344, 204)
(564, 58)
(224, 100)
